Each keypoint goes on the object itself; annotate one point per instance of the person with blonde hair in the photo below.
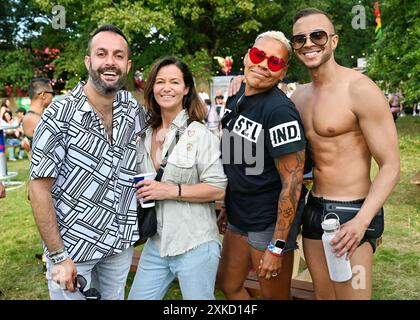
(262, 127)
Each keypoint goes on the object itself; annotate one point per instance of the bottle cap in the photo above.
(330, 224)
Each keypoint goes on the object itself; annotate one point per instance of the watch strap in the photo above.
(274, 250)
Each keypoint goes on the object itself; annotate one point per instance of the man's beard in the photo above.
(103, 87)
(326, 56)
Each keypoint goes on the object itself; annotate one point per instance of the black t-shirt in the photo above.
(263, 127)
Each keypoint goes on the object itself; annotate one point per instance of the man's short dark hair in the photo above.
(37, 86)
(108, 28)
(23, 110)
(310, 11)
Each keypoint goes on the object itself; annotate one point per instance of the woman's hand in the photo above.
(155, 190)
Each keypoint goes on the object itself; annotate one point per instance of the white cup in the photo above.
(145, 176)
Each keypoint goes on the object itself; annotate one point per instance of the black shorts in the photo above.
(316, 208)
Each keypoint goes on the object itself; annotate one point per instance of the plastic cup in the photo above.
(141, 177)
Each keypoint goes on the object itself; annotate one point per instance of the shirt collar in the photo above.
(78, 92)
(179, 122)
(180, 119)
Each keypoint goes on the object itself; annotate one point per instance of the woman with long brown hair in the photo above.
(186, 244)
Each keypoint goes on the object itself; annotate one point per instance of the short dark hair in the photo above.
(108, 28)
(310, 11)
(23, 110)
(38, 85)
(192, 103)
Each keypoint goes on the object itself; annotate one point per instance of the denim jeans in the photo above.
(11, 143)
(195, 269)
(108, 276)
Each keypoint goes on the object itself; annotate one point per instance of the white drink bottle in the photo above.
(338, 267)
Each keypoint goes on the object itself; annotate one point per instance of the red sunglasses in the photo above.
(274, 64)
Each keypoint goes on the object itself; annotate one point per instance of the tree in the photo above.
(396, 55)
(198, 30)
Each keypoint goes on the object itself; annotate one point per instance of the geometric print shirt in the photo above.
(93, 193)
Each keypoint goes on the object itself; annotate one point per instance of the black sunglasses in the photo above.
(90, 294)
(52, 92)
(320, 38)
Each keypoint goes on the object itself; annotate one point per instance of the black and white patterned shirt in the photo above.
(93, 192)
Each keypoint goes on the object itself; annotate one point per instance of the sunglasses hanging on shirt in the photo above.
(90, 294)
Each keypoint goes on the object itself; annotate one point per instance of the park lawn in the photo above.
(396, 262)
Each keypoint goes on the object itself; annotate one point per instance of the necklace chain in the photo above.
(108, 128)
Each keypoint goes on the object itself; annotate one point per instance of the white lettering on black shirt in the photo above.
(285, 133)
(247, 128)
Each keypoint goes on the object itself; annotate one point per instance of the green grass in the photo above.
(396, 262)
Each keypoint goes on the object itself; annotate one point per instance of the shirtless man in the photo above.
(41, 94)
(347, 122)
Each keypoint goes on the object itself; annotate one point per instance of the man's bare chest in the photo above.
(328, 114)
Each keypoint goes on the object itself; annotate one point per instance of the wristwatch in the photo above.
(278, 243)
(277, 247)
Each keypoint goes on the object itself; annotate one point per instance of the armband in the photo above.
(58, 256)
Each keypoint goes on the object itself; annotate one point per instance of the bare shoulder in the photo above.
(301, 89)
(29, 122)
(298, 96)
(365, 94)
(361, 84)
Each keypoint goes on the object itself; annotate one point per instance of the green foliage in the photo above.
(16, 67)
(396, 54)
(207, 28)
(395, 267)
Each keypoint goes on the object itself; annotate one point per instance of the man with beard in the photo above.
(347, 122)
(83, 161)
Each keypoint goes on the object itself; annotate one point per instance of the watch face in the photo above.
(280, 244)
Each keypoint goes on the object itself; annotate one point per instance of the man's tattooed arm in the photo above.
(290, 168)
